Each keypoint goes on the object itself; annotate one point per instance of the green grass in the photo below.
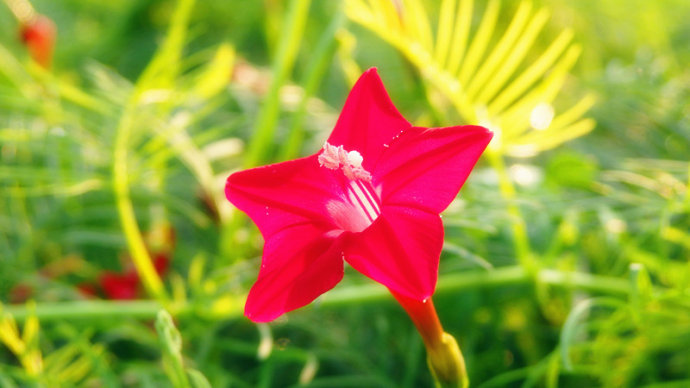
(567, 267)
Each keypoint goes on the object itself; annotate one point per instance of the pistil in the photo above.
(350, 162)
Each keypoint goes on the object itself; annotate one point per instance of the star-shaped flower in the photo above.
(371, 197)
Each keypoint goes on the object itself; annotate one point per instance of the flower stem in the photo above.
(444, 358)
(316, 70)
(161, 70)
(263, 135)
(135, 241)
(260, 144)
(370, 293)
(517, 221)
(88, 309)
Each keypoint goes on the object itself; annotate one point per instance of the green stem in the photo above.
(687, 190)
(265, 129)
(135, 241)
(503, 276)
(370, 293)
(315, 72)
(160, 72)
(517, 221)
(88, 309)
(444, 358)
(259, 145)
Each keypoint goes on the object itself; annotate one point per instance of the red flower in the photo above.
(87, 290)
(20, 293)
(125, 285)
(120, 286)
(160, 241)
(38, 35)
(372, 197)
(161, 263)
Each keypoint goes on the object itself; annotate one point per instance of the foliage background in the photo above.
(567, 267)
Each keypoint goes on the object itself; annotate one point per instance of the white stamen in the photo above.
(355, 158)
(330, 157)
(360, 206)
(350, 162)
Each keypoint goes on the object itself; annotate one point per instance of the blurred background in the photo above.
(566, 261)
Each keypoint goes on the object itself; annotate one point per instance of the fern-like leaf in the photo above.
(487, 83)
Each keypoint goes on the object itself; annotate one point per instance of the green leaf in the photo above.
(490, 84)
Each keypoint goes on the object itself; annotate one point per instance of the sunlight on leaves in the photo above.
(494, 78)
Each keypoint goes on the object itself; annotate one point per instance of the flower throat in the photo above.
(360, 193)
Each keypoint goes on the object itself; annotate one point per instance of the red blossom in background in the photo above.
(126, 285)
(87, 290)
(120, 286)
(20, 293)
(161, 263)
(38, 34)
(372, 197)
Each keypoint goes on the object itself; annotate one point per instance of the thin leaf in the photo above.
(514, 58)
(574, 113)
(516, 119)
(493, 63)
(461, 33)
(529, 76)
(537, 142)
(415, 14)
(481, 83)
(444, 32)
(480, 42)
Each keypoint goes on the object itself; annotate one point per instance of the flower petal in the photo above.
(426, 167)
(400, 250)
(299, 264)
(282, 195)
(368, 121)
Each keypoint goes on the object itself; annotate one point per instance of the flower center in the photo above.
(334, 158)
(360, 206)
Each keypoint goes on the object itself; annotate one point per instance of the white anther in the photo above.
(355, 159)
(334, 157)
